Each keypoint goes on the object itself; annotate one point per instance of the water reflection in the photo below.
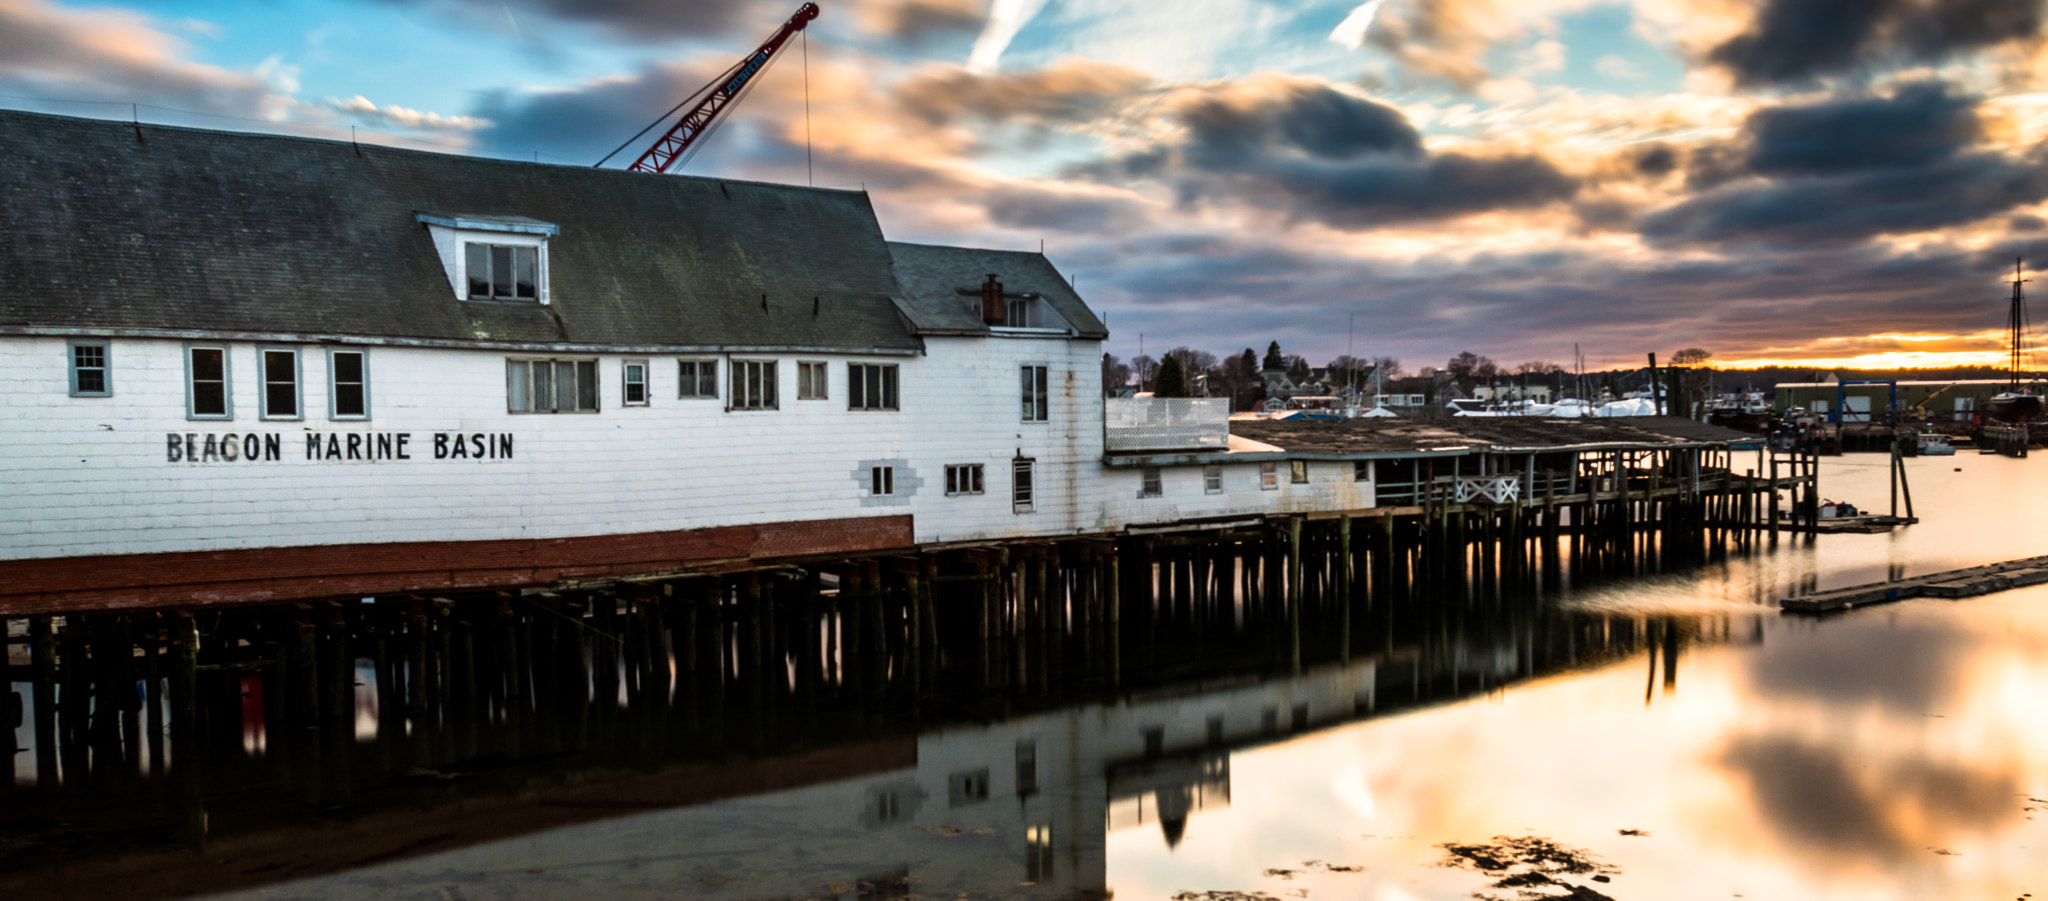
(1180, 727)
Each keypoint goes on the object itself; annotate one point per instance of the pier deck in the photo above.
(1959, 583)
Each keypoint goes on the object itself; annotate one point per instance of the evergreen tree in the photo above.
(1172, 380)
(1274, 360)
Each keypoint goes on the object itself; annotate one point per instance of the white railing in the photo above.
(1166, 423)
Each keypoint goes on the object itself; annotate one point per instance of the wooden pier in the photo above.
(1959, 583)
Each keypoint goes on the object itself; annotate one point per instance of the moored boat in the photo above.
(2016, 404)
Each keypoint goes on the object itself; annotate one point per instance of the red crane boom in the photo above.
(699, 119)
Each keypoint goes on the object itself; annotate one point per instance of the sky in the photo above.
(1813, 182)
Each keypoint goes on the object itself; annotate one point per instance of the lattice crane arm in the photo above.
(700, 118)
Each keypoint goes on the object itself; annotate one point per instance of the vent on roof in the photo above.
(993, 310)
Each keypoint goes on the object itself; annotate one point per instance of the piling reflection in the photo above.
(1018, 703)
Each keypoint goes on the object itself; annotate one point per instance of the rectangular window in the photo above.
(871, 386)
(810, 380)
(1038, 853)
(89, 372)
(348, 384)
(503, 271)
(1361, 471)
(1212, 479)
(699, 378)
(206, 383)
(1269, 477)
(1027, 768)
(1150, 484)
(881, 480)
(753, 385)
(1297, 471)
(280, 369)
(964, 788)
(551, 386)
(963, 478)
(1018, 314)
(633, 380)
(1036, 407)
(1020, 485)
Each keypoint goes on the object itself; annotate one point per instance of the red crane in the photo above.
(717, 96)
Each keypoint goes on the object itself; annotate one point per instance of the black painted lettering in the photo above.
(230, 448)
(440, 445)
(252, 447)
(176, 451)
(403, 437)
(355, 446)
(334, 447)
(313, 446)
(191, 448)
(505, 445)
(477, 441)
(461, 448)
(384, 446)
(273, 447)
(211, 452)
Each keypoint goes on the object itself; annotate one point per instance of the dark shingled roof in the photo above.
(193, 231)
(1384, 436)
(932, 277)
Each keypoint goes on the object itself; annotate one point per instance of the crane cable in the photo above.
(694, 96)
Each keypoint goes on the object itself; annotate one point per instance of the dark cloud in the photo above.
(1066, 92)
(1029, 206)
(1312, 152)
(918, 21)
(1792, 42)
(1919, 125)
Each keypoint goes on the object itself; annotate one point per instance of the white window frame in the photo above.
(813, 380)
(698, 367)
(263, 383)
(888, 380)
(227, 383)
(1151, 482)
(758, 376)
(334, 383)
(577, 364)
(540, 268)
(452, 236)
(1212, 479)
(881, 481)
(1034, 391)
(963, 479)
(105, 369)
(1269, 477)
(1023, 485)
(1297, 472)
(627, 382)
(1017, 312)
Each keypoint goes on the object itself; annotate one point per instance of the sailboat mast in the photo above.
(2016, 326)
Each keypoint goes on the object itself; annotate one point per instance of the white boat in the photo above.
(1933, 444)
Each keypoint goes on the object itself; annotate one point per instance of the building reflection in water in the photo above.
(749, 736)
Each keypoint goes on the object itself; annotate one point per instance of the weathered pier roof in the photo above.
(1381, 437)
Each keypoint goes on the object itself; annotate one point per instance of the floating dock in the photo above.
(1960, 583)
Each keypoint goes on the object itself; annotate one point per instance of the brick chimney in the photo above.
(993, 310)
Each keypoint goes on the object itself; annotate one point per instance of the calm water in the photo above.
(1673, 732)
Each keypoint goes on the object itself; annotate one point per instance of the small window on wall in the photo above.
(753, 385)
(810, 380)
(348, 384)
(870, 386)
(1297, 471)
(1038, 853)
(1269, 477)
(1150, 484)
(881, 480)
(633, 381)
(699, 378)
(1036, 405)
(1361, 471)
(503, 271)
(551, 386)
(1020, 485)
(206, 383)
(1212, 479)
(963, 478)
(91, 375)
(280, 370)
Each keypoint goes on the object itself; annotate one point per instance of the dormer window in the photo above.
(1019, 313)
(502, 271)
(493, 258)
